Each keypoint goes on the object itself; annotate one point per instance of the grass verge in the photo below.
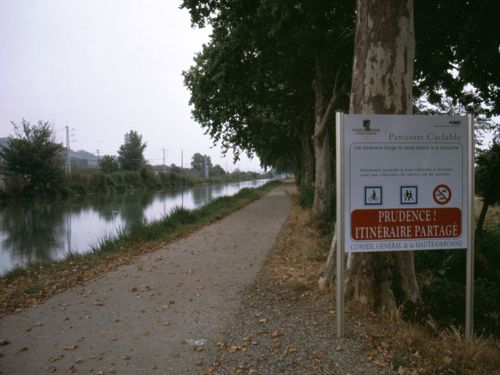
(21, 288)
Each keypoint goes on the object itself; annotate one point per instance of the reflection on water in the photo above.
(48, 232)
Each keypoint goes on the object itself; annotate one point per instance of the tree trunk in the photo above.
(322, 182)
(307, 159)
(326, 279)
(480, 220)
(382, 83)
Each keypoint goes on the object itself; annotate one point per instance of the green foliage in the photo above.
(487, 181)
(441, 276)
(450, 58)
(130, 154)
(217, 171)
(251, 85)
(108, 164)
(32, 161)
(198, 163)
(488, 175)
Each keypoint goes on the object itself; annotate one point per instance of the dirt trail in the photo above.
(155, 316)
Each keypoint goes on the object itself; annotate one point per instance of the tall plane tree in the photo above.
(266, 82)
(382, 78)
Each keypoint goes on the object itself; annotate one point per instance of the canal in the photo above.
(52, 231)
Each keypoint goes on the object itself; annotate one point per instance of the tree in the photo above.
(32, 160)
(130, 154)
(217, 171)
(108, 164)
(382, 78)
(488, 181)
(266, 83)
(198, 162)
(457, 52)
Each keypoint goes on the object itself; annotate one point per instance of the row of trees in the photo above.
(32, 162)
(275, 70)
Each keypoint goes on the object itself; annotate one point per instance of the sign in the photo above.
(406, 182)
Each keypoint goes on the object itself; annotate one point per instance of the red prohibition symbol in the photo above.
(441, 194)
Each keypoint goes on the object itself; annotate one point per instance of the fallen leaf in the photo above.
(4, 342)
(277, 333)
(56, 358)
(234, 349)
(71, 370)
(70, 347)
(152, 366)
(51, 369)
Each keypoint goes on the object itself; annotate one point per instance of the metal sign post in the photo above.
(340, 223)
(469, 288)
(404, 183)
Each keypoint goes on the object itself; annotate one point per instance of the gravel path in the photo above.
(286, 325)
(164, 314)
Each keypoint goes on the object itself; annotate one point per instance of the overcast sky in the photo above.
(104, 67)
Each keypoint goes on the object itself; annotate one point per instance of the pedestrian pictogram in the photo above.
(441, 194)
(408, 195)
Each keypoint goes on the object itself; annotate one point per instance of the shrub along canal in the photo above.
(53, 231)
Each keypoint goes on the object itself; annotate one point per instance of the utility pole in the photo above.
(97, 155)
(68, 149)
(182, 159)
(206, 167)
(163, 149)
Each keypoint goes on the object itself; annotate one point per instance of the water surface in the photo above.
(52, 231)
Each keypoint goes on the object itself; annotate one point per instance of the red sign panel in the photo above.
(393, 224)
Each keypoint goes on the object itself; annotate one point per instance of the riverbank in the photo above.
(95, 183)
(24, 287)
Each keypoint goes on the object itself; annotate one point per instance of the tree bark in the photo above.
(326, 279)
(307, 159)
(322, 183)
(480, 220)
(382, 80)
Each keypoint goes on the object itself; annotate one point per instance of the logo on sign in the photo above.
(366, 128)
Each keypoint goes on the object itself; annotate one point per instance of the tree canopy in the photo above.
(488, 180)
(32, 160)
(265, 81)
(198, 162)
(108, 164)
(131, 152)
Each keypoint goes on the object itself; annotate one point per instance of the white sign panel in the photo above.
(406, 182)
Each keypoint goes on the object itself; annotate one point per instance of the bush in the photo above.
(441, 277)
